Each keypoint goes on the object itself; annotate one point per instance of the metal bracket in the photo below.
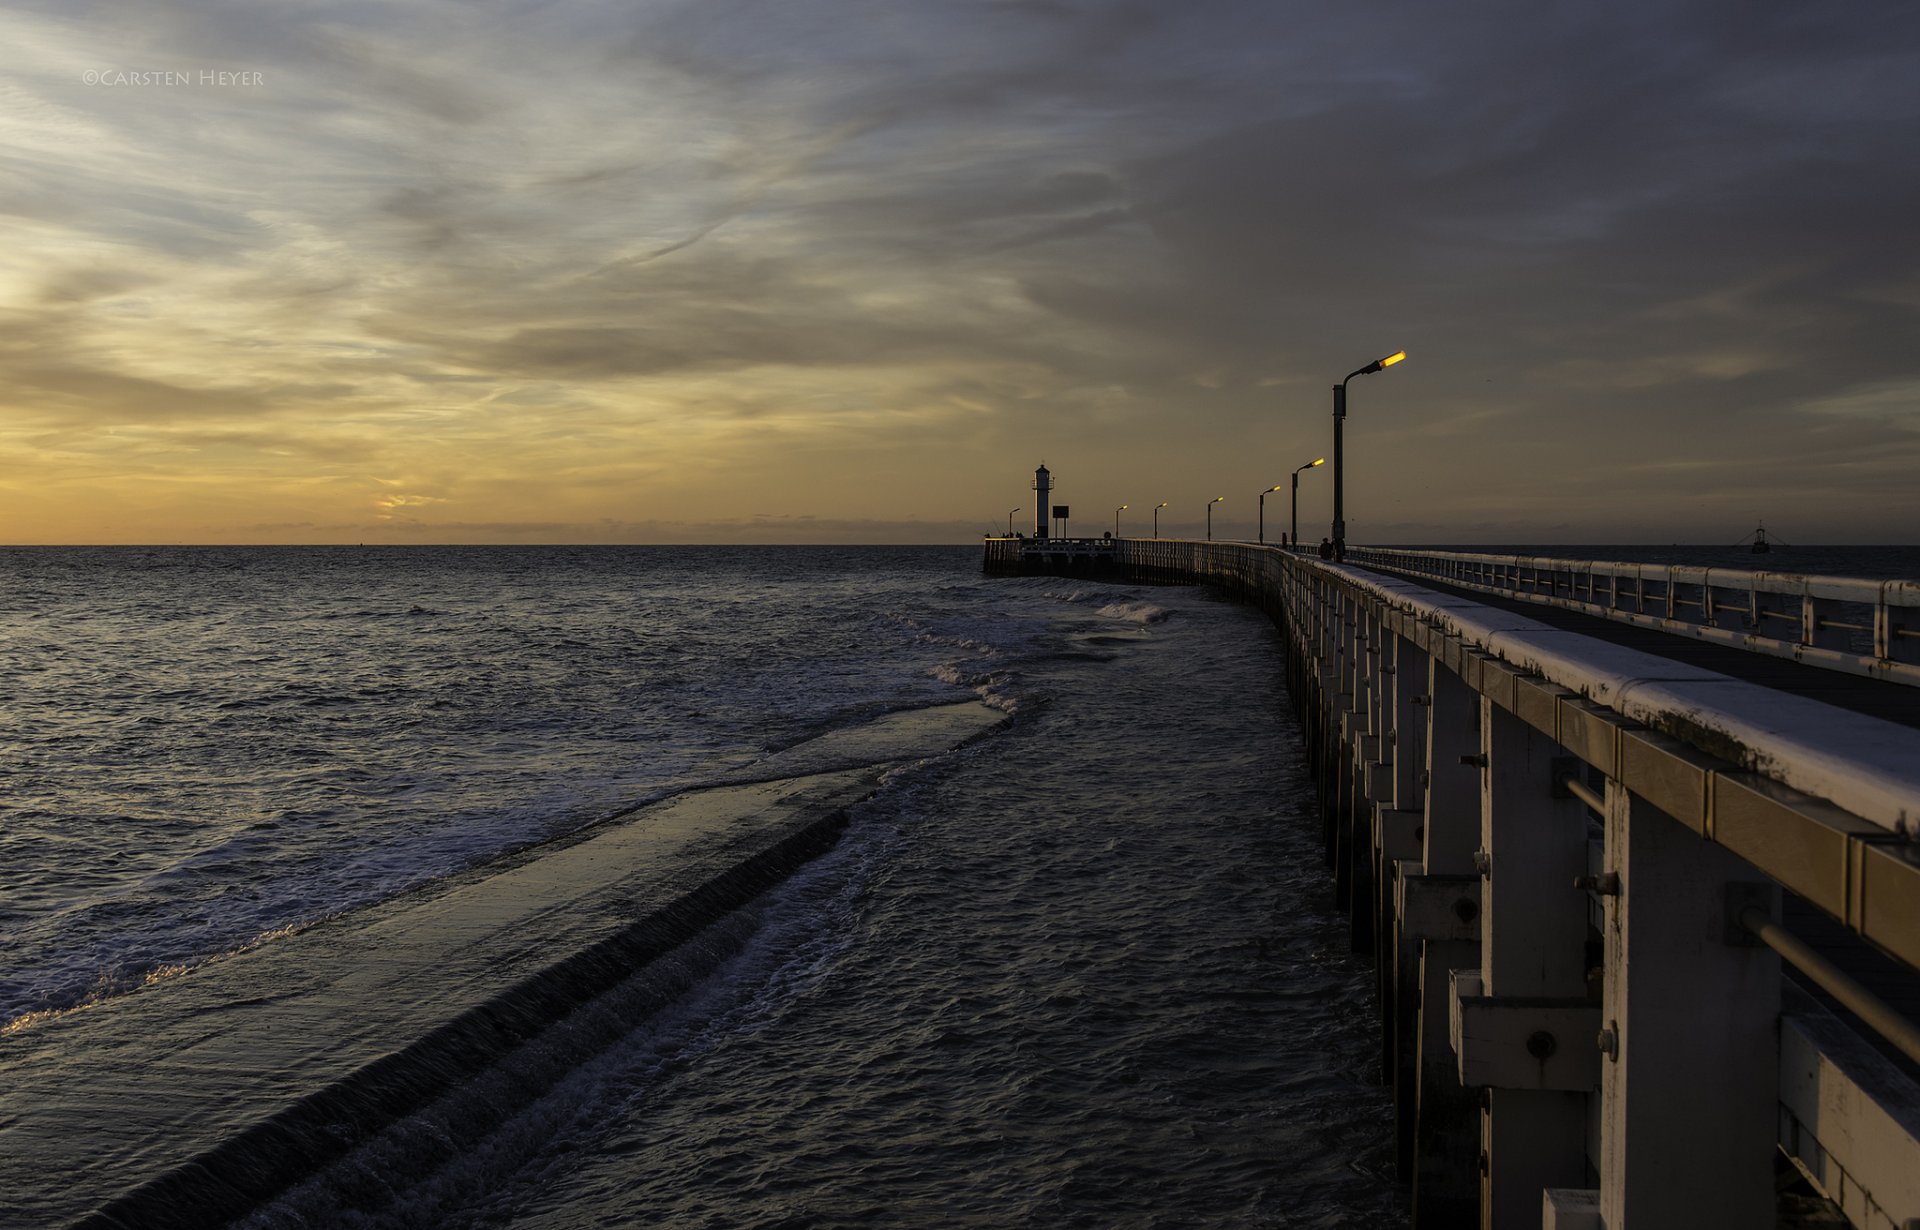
(1606, 884)
(1436, 907)
(1522, 1043)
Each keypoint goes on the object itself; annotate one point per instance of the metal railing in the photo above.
(1852, 624)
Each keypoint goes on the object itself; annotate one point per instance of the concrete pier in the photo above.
(1571, 857)
(191, 1101)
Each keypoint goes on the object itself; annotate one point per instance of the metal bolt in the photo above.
(1608, 1040)
(1466, 909)
(1540, 1044)
(1476, 759)
(1606, 884)
(1483, 862)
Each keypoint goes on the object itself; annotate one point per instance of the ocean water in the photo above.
(1082, 972)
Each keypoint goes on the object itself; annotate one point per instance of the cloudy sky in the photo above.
(847, 270)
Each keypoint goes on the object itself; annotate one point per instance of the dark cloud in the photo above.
(1605, 234)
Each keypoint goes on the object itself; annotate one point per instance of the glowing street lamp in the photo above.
(1116, 518)
(1296, 495)
(1339, 420)
(1156, 517)
(1263, 511)
(1210, 503)
(1010, 513)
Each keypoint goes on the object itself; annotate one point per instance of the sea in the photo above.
(1082, 972)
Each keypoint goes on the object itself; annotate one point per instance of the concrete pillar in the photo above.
(1532, 946)
(1688, 1096)
(1408, 722)
(1398, 832)
(1453, 789)
(1348, 634)
(1395, 847)
(1446, 1128)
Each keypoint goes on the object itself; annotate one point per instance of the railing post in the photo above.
(1814, 632)
(1687, 1085)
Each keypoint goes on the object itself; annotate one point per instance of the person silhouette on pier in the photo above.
(1326, 548)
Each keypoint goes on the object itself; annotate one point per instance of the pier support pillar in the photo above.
(1453, 786)
(1446, 1127)
(1368, 780)
(1408, 725)
(1688, 1080)
(1441, 913)
(1346, 798)
(1396, 845)
(1533, 946)
(1399, 833)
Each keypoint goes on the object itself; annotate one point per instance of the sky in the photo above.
(848, 270)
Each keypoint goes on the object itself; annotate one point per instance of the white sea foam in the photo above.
(1135, 612)
(992, 687)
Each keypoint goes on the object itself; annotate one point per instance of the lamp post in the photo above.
(1210, 503)
(1339, 420)
(1156, 517)
(1263, 511)
(1010, 513)
(1320, 461)
(1116, 518)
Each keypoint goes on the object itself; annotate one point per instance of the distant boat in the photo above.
(1758, 542)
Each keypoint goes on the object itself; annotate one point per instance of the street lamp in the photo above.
(1116, 518)
(1010, 513)
(1319, 461)
(1339, 419)
(1210, 503)
(1263, 511)
(1156, 517)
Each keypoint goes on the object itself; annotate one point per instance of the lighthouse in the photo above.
(1042, 500)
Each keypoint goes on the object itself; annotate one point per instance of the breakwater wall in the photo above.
(203, 1096)
(246, 1168)
(1570, 860)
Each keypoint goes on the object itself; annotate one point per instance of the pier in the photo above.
(1634, 851)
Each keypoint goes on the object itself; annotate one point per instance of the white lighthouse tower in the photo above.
(1042, 500)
